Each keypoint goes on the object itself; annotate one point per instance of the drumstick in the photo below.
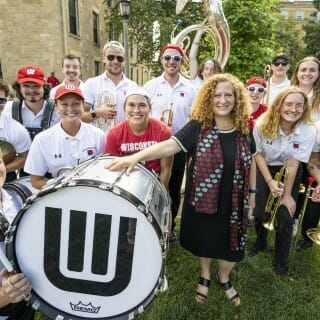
(7, 264)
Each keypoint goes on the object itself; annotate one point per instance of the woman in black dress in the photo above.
(215, 211)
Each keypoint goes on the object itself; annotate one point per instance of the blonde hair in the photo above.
(202, 107)
(315, 102)
(270, 120)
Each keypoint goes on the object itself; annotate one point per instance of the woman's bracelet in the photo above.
(253, 190)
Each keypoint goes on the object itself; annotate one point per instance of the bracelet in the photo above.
(253, 190)
(269, 181)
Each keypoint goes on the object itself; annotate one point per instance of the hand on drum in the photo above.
(15, 287)
(122, 163)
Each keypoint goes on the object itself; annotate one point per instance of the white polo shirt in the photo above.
(15, 133)
(297, 145)
(178, 98)
(54, 89)
(29, 119)
(316, 147)
(93, 86)
(197, 82)
(53, 149)
(275, 89)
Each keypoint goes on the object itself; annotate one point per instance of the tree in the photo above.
(252, 25)
(142, 17)
(312, 36)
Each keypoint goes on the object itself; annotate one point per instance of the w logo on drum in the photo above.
(88, 252)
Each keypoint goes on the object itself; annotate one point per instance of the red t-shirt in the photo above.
(122, 141)
(255, 115)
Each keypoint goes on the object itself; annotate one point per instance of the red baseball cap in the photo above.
(68, 89)
(173, 46)
(256, 80)
(31, 74)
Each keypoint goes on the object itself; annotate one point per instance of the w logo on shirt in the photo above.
(31, 72)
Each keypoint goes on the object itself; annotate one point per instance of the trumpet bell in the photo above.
(314, 235)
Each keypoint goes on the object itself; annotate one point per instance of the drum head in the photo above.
(88, 253)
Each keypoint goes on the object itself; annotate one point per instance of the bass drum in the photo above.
(20, 190)
(93, 242)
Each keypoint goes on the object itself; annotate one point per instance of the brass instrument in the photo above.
(215, 25)
(267, 77)
(314, 235)
(273, 202)
(308, 196)
(166, 117)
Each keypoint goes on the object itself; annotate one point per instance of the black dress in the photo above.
(202, 234)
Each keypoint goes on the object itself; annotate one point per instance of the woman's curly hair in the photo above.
(315, 102)
(270, 120)
(202, 106)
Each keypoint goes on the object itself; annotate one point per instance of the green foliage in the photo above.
(312, 37)
(257, 30)
(252, 26)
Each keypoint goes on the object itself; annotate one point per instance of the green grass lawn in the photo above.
(264, 296)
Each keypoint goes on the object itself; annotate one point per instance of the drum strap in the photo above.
(4, 225)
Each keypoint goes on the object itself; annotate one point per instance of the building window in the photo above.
(299, 15)
(284, 14)
(96, 38)
(96, 68)
(74, 17)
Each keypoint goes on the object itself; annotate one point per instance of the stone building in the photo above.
(296, 10)
(41, 32)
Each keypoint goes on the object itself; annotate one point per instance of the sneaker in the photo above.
(281, 270)
(303, 245)
(295, 227)
(173, 237)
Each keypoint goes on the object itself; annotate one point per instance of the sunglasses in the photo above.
(3, 100)
(174, 58)
(277, 64)
(254, 89)
(111, 57)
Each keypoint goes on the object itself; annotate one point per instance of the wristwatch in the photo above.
(93, 115)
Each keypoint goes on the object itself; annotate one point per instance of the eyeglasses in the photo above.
(254, 89)
(111, 57)
(289, 105)
(174, 58)
(277, 64)
(3, 100)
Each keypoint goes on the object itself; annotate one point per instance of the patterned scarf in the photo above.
(208, 169)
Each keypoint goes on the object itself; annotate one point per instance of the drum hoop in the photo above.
(36, 301)
(23, 192)
(118, 191)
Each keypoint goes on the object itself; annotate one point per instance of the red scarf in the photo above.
(208, 169)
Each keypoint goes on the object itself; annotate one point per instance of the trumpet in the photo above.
(166, 117)
(273, 202)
